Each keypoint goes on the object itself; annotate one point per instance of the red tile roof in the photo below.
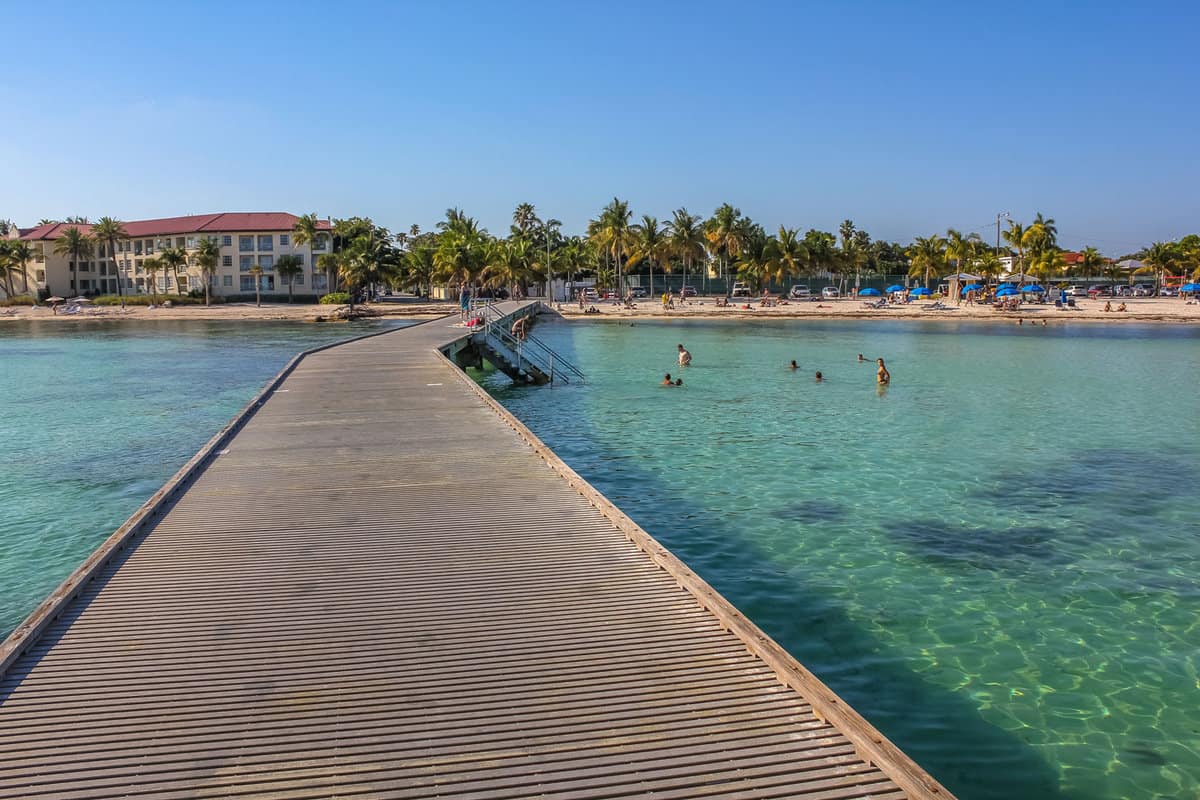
(1071, 258)
(197, 223)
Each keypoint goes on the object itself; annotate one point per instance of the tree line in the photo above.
(615, 245)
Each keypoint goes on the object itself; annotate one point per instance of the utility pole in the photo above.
(1000, 216)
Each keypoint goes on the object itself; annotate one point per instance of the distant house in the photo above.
(245, 239)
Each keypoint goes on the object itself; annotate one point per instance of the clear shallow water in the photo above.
(97, 416)
(996, 559)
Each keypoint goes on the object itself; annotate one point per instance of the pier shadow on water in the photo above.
(940, 729)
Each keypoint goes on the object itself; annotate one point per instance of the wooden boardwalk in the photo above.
(379, 584)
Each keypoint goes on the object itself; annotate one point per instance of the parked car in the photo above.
(591, 295)
(1121, 290)
(740, 290)
(688, 291)
(1142, 290)
(1076, 291)
(830, 293)
(611, 295)
(1168, 291)
(637, 291)
(1100, 291)
(800, 292)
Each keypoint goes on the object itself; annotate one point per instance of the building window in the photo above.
(245, 263)
(137, 265)
(266, 243)
(149, 247)
(299, 258)
(226, 241)
(183, 283)
(266, 283)
(226, 261)
(299, 280)
(320, 282)
(180, 241)
(137, 247)
(266, 262)
(141, 284)
(227, 280)
(40, 275)
(319, 243)
(284, 240)
(246, 244)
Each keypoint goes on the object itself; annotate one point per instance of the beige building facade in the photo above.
(244, 239)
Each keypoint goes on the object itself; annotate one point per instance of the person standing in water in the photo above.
(794, 365)
(882, 375)
(685, 358)
(820, 377)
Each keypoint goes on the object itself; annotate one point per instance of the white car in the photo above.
(1076, 291)
(591, 296)
(740, 290)
(799, 292)
(830, 293)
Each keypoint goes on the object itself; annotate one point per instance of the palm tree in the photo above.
(928, 254)
(686, 236)
(1015, 236)
(507, 263)
(725, 236)
(786, 254)
(961, 248)
(152, 266)
(208, 253)
(1091, 262)
(650, 244)
(13, 259)
(308, 230)
(172, 258)
(1048, 265)
(256, 270)
(1159, 258)
(367, 259)
(615, 234)
(419, 268)
(525, 220)
(287, 267)
(111, 230)
(76, 246)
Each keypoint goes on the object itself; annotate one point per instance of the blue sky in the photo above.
(906, 117)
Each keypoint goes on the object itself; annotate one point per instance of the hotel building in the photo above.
(244, 240)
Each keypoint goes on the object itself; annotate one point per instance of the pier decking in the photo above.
(377, 583)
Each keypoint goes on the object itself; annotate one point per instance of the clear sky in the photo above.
(908, 117)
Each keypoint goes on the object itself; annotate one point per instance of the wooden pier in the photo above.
(377, 583)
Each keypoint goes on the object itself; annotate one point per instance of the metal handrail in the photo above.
(518, 345)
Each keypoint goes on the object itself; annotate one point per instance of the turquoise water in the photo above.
(996, 558)
(97, 416)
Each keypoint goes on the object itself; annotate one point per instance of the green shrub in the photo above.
(18, 300)
(145, 300)
(335, 299)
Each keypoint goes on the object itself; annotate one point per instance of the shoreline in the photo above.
(1172, 310)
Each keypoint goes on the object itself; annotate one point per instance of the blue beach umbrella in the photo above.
(1007, 291)
(868, 292)
(920, 291)
(1007, 285)
(1190, 287)
(1034, 288)
(974, 287)
(895, 287)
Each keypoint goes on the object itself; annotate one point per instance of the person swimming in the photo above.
(793, 365)
(820, 377)
(685, 357)
(679, 381)
(860, 357)
(666, 381)
(882, 375)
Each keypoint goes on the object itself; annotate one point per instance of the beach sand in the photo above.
(1162, 309)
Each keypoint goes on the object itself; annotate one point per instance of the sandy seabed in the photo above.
(1159, 309)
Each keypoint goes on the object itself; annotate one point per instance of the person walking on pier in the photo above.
(464, 299)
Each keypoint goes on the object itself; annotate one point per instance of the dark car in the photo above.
(688, 291)
(637, 291)
(1100, 291)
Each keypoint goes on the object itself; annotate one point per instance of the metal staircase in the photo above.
(525, 359)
